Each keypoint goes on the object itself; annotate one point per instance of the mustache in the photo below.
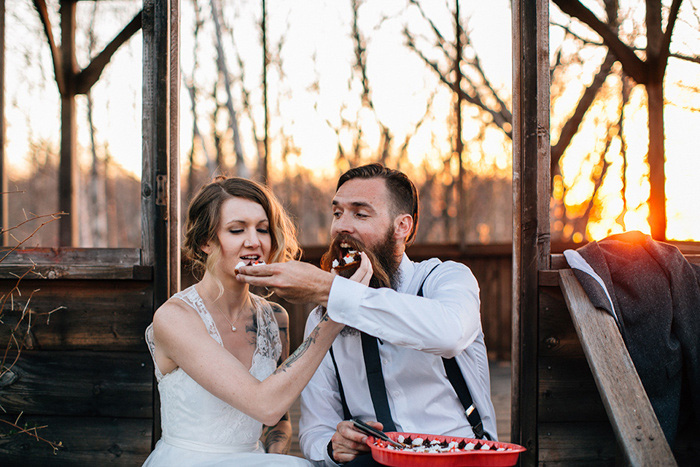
(380, 276)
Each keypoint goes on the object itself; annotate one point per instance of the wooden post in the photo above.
(266, 109)
(4, 204)
(174, 155)
(531, 194)
(160, 189)
(68, 176)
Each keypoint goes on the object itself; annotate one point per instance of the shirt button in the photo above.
(385, 361)
(396, 394)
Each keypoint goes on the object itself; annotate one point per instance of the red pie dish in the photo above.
(468, 452)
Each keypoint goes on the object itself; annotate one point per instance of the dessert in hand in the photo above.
(343, 257)
(256, 262)
(351, 259)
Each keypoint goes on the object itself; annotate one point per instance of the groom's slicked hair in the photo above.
(403, 192)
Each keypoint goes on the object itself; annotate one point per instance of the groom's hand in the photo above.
(294, 281)
(347, 442)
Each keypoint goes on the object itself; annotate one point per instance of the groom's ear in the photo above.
(403, 224)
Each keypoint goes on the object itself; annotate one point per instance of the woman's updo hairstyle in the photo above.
(204, 217)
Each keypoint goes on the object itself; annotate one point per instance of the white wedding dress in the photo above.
(198, 428)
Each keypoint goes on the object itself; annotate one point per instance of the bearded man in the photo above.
(395, 365)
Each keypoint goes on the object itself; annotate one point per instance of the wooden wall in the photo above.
(86, 375)
(573, 427)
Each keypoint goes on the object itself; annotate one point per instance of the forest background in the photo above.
(295, 92)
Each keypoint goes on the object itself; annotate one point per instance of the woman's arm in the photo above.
(180, 333)
(277, 439)
(181, 336)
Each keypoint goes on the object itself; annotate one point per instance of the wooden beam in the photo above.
(636, 427)
(90, 74)
(4, 204)
(174, 191)
(531, 192)
(160, 26)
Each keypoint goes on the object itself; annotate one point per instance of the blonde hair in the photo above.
(204, 217)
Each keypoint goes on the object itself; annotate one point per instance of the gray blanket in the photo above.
(654, 294)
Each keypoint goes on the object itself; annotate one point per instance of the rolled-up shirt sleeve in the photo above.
(321, 410)
(443, 322)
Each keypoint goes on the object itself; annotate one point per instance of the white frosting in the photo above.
(243, 263)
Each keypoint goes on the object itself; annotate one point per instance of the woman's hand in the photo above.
(364, 272)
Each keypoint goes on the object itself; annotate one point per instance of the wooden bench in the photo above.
(634, 423)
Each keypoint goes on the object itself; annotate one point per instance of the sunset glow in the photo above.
(315, 93)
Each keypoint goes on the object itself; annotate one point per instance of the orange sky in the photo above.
(319, 29)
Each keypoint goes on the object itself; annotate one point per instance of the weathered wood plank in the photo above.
(577, 444)
(567, 392)
(558, 337)
(548, 278)
(98, 315)
(4, 202)
(531, 194)
(88, 441)
(112, 384)
(79, 256)
(76, 272)
(634, 422)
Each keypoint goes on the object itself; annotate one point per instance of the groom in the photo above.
(394, 362)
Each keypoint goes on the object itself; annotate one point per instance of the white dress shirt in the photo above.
(414, 333)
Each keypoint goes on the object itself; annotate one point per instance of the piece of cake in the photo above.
(257, 262)
(351, 259)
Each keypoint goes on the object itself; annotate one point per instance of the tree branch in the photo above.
(89, 76)
(505, 115)
(441, 40)
(572, 124)
(573, 34)
(689, 58)
(633, 65)
(41, 8)
(412, 45)
(666, 41)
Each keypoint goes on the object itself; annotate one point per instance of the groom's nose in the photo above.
(342, 225)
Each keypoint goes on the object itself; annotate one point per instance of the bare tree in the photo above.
(649, 72)
(72, 81)
(241, 168)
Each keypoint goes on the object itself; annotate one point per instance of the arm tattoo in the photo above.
(278, 437)
(282, 325)
(302, 348)
(251, 330)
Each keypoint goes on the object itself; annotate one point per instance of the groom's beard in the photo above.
(384, 261)
(385, 252)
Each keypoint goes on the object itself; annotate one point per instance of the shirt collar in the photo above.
(406, 270)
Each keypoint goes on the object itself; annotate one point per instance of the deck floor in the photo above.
(500, 395)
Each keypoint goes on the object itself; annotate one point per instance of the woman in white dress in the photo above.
(216, 346)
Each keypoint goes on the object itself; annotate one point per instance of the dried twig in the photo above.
(25, 315)
(33, 433)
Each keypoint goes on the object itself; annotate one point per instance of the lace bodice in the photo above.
(192, 416)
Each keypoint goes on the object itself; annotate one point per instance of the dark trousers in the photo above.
(364, 460)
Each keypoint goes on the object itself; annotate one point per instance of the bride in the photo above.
(216, 346)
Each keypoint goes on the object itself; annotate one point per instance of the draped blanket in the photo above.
(654, 294)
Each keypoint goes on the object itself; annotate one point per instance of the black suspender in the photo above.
(375, 380)
(343, 402)
(460, 386)
(377, 387)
